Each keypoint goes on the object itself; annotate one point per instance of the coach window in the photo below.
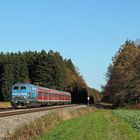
(50, 95)
(23, 88)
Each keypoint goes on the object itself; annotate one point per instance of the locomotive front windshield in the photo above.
(22, 88)
(19, 88)
(16, 88)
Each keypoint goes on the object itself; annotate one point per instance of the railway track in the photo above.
(33, 110)
(5, 109)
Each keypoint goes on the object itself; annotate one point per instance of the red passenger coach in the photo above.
(51, 96)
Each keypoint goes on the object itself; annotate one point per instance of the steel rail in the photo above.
(25, 111)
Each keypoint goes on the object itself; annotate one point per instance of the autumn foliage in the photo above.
(123, 76)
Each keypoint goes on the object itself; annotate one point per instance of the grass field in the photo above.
(99, 125)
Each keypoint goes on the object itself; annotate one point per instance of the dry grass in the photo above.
(47, 122)
(4, 105)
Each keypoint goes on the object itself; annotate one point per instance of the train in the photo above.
(29, 95)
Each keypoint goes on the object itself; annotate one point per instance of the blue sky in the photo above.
(87, 31)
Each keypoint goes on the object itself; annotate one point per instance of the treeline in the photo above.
(41, 68)
(123, 76)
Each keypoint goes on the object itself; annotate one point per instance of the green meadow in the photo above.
(98, 125)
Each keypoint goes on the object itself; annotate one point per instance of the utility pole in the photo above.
(88, 100)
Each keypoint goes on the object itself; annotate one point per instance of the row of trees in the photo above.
(123, 76)
(42, 68)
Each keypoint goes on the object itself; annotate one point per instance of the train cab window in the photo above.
(33, 88)
(16, 88)
(23, 88)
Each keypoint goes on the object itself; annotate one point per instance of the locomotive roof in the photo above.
(42, 88)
